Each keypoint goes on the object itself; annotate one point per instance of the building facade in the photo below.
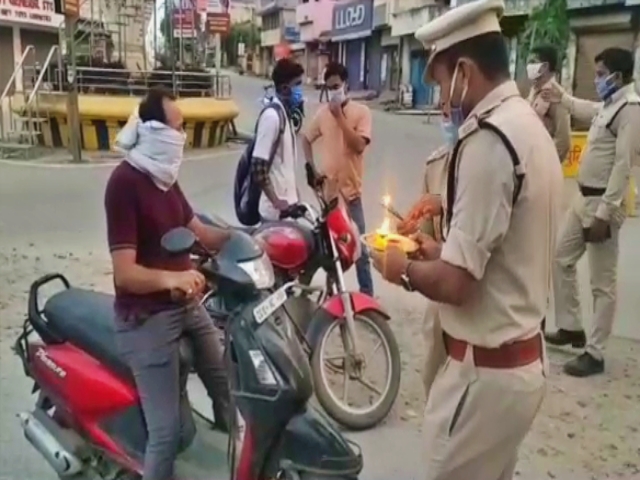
(33, 23)
(351, 31)
(314, 20)
(279, 31)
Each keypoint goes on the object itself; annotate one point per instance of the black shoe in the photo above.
(562, 337)
(584, 366)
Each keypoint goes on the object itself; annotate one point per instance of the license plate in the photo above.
(270, 305)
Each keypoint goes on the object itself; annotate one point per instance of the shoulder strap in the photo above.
(615, 116)
(518, 171)
(276, 142)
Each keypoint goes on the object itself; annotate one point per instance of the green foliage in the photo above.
(547, 23)
(247, 33)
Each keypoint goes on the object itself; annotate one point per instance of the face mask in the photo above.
(158, 151)
(297, 96)
(457, 115)
(605, 87)
(339, 96)
(449, 132)
(534, 71)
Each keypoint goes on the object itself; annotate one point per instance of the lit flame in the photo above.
(386, 200)
(385, 228)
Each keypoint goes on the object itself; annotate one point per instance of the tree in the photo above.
(547, 23)
(247, 33)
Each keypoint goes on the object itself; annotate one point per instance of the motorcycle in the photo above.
(88, 424)
(296, 114)
(328, 242)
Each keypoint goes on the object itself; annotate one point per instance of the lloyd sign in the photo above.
(30, 12)
(352, 20)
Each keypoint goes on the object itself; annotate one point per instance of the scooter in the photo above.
(87, 422)
(328, 241)
(296, 114)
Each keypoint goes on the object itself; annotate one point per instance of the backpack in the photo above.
(246, 191)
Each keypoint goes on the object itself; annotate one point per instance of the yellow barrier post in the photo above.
(571, 164)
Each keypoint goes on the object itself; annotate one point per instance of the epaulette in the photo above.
(439, 154)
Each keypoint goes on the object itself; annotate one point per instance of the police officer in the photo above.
(593, 222)
(492, 275)
(424, 219)
(542, 70)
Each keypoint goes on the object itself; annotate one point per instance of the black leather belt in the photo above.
(591, 191)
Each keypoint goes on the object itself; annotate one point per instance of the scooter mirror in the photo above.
(178, 240)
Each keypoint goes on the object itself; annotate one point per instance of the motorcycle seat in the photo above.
(86, 319)
(217, 221)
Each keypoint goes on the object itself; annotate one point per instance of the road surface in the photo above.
(51, 218)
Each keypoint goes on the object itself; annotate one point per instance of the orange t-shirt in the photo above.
(339, 162)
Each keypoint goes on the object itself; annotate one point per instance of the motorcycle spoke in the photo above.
(345, 389)
(373, 351)
(369, 385)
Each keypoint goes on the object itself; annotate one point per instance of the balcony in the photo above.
(314, 18)
(269, 38)
(524, 7)
(400, 6)
(407, 22)
(268, 6)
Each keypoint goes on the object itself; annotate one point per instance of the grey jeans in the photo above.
(151, 347)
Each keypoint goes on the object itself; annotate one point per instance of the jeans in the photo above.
(363, 267)
(151, 349)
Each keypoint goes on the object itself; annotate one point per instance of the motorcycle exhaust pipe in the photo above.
(43, 434)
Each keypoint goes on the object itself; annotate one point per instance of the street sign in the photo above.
(218, 23)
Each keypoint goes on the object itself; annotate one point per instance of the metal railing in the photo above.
(6, 109)
(107, 81)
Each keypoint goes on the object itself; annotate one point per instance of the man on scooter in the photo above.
(157, 293)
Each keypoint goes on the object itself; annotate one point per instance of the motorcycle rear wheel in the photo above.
(349, 417)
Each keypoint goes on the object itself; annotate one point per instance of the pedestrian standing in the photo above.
(492, 275)
(593, 222)
(324, 93)
(542, 70)
(344, 126)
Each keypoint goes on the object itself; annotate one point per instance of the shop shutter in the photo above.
(6, 54)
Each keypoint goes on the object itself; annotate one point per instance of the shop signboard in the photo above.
(30, 12)
(352, 20)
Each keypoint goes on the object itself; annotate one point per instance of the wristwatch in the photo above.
(404, 278)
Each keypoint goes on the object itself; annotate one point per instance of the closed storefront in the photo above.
(374, 60)
(6, 54)
(351, 29)
(42, 42)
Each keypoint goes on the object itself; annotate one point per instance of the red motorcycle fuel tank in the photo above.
(287, 244)
(345, 235)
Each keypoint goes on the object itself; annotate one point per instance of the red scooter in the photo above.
(329, 241)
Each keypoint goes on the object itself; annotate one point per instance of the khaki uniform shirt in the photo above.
(556, 120)
(509, 249)
(613, 146)
(435, 178)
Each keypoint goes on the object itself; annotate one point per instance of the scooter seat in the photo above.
(86, 319)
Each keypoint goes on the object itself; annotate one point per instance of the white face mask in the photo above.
(534, 71)
(339, 95)
(158, 151)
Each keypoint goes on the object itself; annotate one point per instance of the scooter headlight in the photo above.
(260, 271)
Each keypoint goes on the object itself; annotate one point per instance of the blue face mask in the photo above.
(605, 87)
(449, 132)
(297, 95)
(457, 115)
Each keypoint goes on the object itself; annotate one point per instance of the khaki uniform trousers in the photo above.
(603, 267)
(476, 418)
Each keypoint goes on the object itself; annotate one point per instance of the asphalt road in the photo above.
(47, 208)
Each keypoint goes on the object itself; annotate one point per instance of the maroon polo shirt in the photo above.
(138, 215)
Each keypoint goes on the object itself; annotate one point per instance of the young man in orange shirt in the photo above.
(345, 128)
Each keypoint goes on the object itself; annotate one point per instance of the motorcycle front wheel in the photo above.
(354, 370)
